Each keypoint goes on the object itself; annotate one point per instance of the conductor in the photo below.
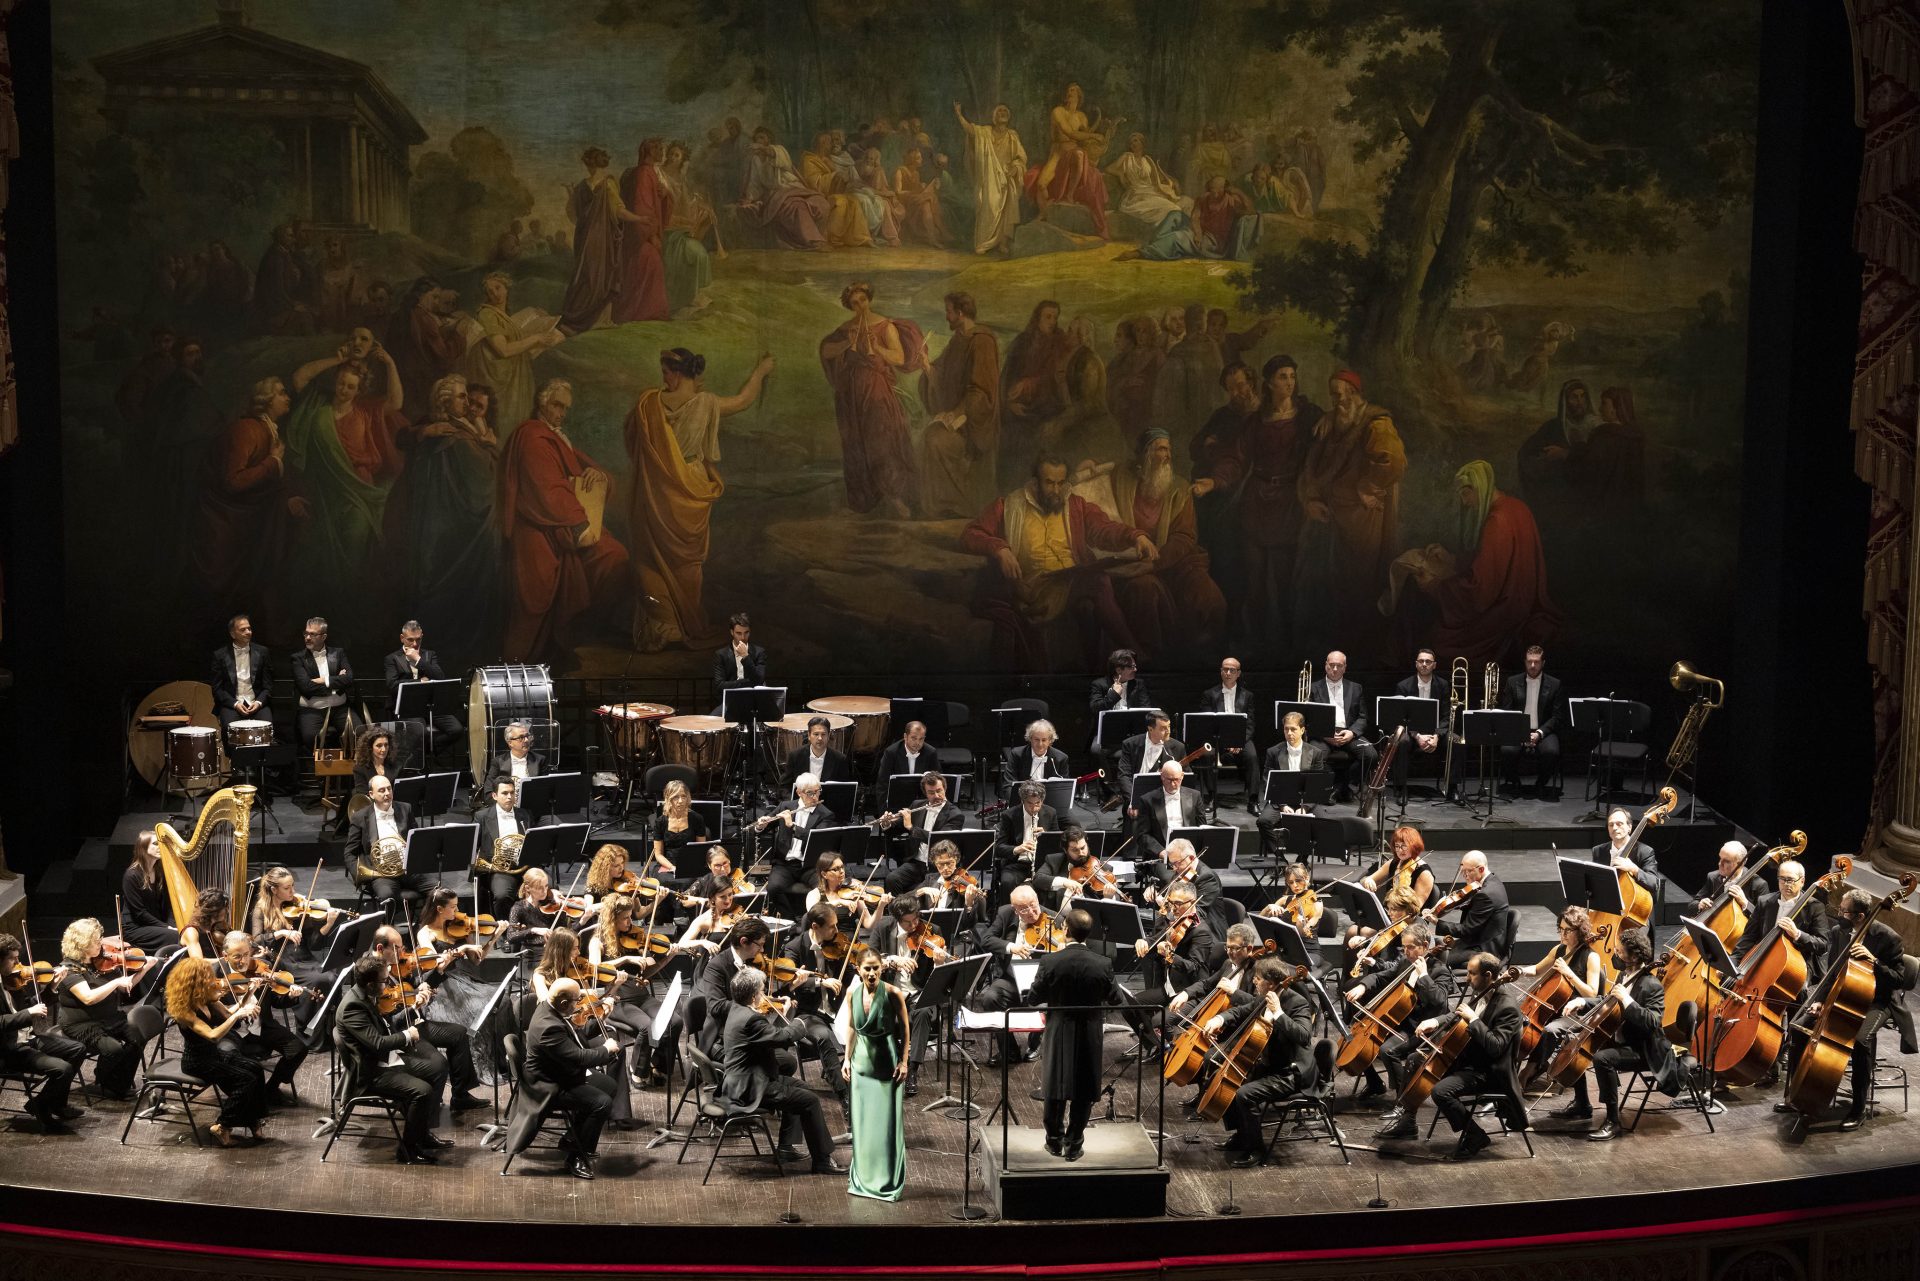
(1070, 1049)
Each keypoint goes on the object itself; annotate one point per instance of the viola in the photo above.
(397, 995)
(115, 955)
(1092, 875)
(781, 969)
(1048, 934)
(301, 908)
(923, 941)
(560, 905)
(461, 929)
(419, 960)
(38, 974)
(835, 949)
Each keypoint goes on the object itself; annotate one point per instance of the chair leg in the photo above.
(772, 1148)
(726, 1128)
(132, 1112)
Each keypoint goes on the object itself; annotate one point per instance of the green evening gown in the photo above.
(879, 1165)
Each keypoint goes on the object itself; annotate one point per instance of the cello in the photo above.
(1374, 1024)
(1844, 997)
(1598, 1029)
(1749, 1025)
(1239, 1056)
(1443, 1046)
(1687, 975)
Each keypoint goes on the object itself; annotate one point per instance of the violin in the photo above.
(560, 905)
(857, 896)
(460, 928)
(40, 972)
(1048, 934)
(1092, 875)
(637, 940)
(836, 949)
(279, 982)
(421, 960)
(922, 940)
(115, 955)
(302, 908)
(397, 995)
(783, 969)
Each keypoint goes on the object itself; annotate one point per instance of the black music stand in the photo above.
(1142, 786)
(1293, 947)
(839, 799)
(1418, 715)
(553, 846)
(1594, 886)
(450, 850)
(1010, 725)
(1062, 793)
(949, 985)
(251, 764)
(497, 1128)
(850, 843)
(1319, 717)
(430, 795)
(752, 706)
(931, 712)
(351, 940)
(1710, 949)
(1215, 845)
(1606, 719)
(1051, 843)
(1490, 727)
(1298, 788)
(1362, 905)
(976, 848)
(427, 701)
(1118, 724)
(1296, 840)
(1115, 922)
(551, 795)
(1221, 731)
(903, 790)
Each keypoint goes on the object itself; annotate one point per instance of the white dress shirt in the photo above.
(1337, 695)
(508, 827)
(1533, 702)
(817, 765)
(518, 766)
(385, 823)
(243, 673)
(799, 845)
(1227, 694)
(1037, 772)
(1294, 754)
(1152, 755)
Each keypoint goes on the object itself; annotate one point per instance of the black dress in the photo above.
(148, 913)
(242, 1081)
(102, 1028)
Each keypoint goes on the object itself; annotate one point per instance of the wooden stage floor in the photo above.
(395, 1209)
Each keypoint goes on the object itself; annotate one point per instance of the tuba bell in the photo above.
(1682, 677)
(1709, 693)
(388, 858)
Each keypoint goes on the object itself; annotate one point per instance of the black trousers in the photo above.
(242, 1082)
(1243, 1113)
(817, 1042)
(151, 938)
(496, 893)
(59, 1069)
(417, 1093)
(801, 1113)
(1546, 758)
(395, 890)
(1360, 757)
(1446, 1096)
(275, 1038)
(1013, 874)
(587, 1107)
(1246, 764)
(1397, 1056)
(116, 1054)
(1066, 1119)
(1861, 1064)
(1608, 1064)
(456, 1051)
(787, 887)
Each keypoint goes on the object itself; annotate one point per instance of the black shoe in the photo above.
(1404, 1128)
(72, 1113)
(1784, 1106)
(827, 1166)
(1248, 1160)
(1573, 1112)
(1607, 1131)
(434, 1143)
(1054, 1146)
(787, 1152)
(913, 1082)
(1037, 1094)
(1851, 1121)
(414, 1156)
(580, 1167)
(467, 1101)
(1075, 1149)
(1373, 1089)
(1472, 1143)
(50, 1122)
(1253, 808)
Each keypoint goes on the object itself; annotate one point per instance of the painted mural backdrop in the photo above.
(969, 335)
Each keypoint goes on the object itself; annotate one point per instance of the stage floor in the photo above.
(396, 1209)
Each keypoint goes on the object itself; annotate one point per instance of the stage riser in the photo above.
(1115, 1179)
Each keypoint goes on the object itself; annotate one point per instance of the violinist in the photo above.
(206, 929)
(1481, 914)
(1181, 865)
(1299, 904)
(912, 828)
(92, 996)
(398, 1065)
(786, 850)
(1492, 1010)
(1434, 991)
(1018, 834)
(143, 898)
(527, 921)
(617, 942)
(948, 888)
(1879, 947)
(1021, 931)
(1642, 1045)
(1073, 872)
(22, 1049)
(746, 942)
(280, 916)
(1407, 868)
(1284, 1068)
(560, 1067)
(1186, 951)
(751, 1080)
(605, 873)
(498, 820)
(720, 871)
(445, 1038)
(855, 905)
(908, 946)
(676, 827)
(263, 1037)
(1362, 945)
(821, 950)
(711, 926)
(205, 1021)
(559, 959)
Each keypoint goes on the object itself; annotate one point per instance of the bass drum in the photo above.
(510, 692)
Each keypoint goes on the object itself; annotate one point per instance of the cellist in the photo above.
(1880, 947)
(1434, 991)
(1243, 949)
(1286, 1064)
(1642, 1045)
(1492, 1009)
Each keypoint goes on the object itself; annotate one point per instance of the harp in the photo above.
(216, 854)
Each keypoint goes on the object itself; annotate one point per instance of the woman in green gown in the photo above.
(876, 1068)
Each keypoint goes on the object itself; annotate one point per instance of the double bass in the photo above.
(1688, 974)
(1844, 997)
(1636, 900)
(1240, 1054)
(1742, 1040)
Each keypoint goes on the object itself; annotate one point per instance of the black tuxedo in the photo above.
(1313, 756)
(1643, 858)
(1360, 754)
(560, 1073)
(750, 1079)
(1102, 698)
(1019, 766)
(1009, 832)
(1285, 1067)
(791, 878)
(1070, 1048)
(416, 1083)
(1641, 1046)
(910, 843)
(1133, 754)
(1487, 1063)
(724, 668)
(306, 670)
(1154, 822)
(1553, 718)
(894, 761)
(1811, 921)
(501, 766)
(712, 983)
(1480, 919)
(500, 887)
(1246, 761)
(399, 672)
(409, 887)
(226, 684)
(834, 766)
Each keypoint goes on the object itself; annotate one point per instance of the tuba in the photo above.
(1686, 743)
(505, 858)
(1305, 693)
(388, 858)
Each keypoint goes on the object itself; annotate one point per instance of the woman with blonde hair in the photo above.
(93, 1008)
(193, 1002)
(676, 826)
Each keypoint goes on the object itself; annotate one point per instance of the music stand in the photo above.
(1010, 725)
(440, 845)
(352, 940)
(1115, 921)
(850, 843)
(1293, 947)
(551, 795)
(491, 1130)
(1221, 731)
(839, 799)
(1594, 886)
(251, 764)
(950, 984)
(1297, 833)
(1051, 843)
(1319, 717)
(1298, 789)
(752, 706)
(1709, 948)
(1418, 715)
(553, 846)
(1491, 727)
(975, 845)
(903, 790)
(1606, 719)
(713, 814)
(931, 712)
(1143, 786)
(1361, 904)
(1215, 845)
(427, 701)
(1118, 724)
(1062, 793)
(430, 795)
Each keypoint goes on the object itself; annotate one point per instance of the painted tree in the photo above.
(1531, 131)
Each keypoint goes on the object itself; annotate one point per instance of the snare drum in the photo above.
(510, 692)
(193, 751)
(704, 742)
(869, 716)
(249, 734)
(790, 734)
(630, 726)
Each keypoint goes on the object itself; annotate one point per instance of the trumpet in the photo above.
(1305, 694)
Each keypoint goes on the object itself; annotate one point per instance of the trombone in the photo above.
(1459, 680)
(1305, 694)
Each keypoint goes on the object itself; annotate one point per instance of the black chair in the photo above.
(1888, 1075)
(1640, 1081)
(30, 1084)
(721, 1119)
(347, 1104)
(1629, 749)
(658, 776)
(514, 1051)
(1310, 1110)
(1505, 934)
(1481, 1102)
(1232, 910)
(162, 1078)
